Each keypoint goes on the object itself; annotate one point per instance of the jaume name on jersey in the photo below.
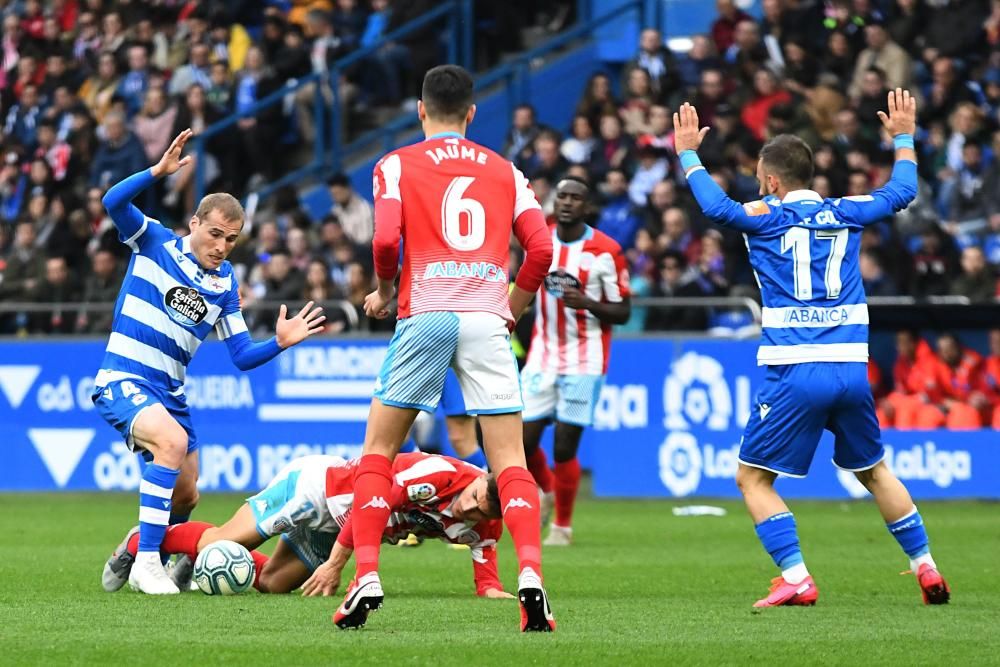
(452, 151)
(482, 270)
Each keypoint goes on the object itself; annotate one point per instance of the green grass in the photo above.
(640, 586)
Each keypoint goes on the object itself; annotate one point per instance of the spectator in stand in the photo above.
(113, 37)
(711, 94)
(945, 92)
(914, 385)
(318, 286)
(55, 152)
(99, 90)
(87, 41)
(133, 86)
(298, 249)
(802, 67)
(154, 123)
(518, 147)
(196, 113)
(658, 62)
(677, 235)
(547, 161)
(598, 100)
(195, 71)
(23, 268)
(748, 53)
(348, 23)
(258, 133)
(615, 150)
(886, 55)
(23, 117)
(674, 280)
(869, 98)
(352, 210)
(724, 27)
(119, 155)
(977, 281)
(711, 267)
(660, 129)
(934, 263)
(966, 210)
(57, 287)
(101, 287)
(618, 219)
(874, 278)
(220, 91)
(838, 59)
(651, 168)
(634, 111)
(767, 93)
(579, 146)
(991, 376)
(695, 62)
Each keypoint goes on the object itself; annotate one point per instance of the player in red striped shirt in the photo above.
(585, 292)
(454, 204)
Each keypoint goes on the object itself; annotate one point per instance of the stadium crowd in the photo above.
(92, 90)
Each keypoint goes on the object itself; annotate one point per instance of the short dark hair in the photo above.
(447, 92)
(575, 179)
(789, 158)
(493, 497)
(340, 178)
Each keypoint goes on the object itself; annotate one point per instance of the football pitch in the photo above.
(640, 586)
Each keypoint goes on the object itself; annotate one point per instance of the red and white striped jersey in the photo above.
(575, 342)
(454, 203)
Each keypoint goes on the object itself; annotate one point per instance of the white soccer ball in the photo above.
(224, 568)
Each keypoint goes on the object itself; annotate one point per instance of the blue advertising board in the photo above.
(668, 423)
(672, 414)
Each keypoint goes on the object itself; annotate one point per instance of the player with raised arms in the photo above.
(585, 292)
(804, 250)
(176, 291)
(454, 204)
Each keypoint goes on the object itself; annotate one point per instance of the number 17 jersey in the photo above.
(458, 203)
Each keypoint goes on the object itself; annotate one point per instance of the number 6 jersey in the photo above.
(454, 203)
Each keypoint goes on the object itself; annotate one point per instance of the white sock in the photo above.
(915, 563)
(796, 574)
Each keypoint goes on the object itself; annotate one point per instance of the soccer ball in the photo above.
(224, 568)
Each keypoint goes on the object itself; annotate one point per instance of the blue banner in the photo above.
(668, 423)
(672, 414)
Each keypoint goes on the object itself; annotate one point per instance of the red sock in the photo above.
(259, 561)
(538, 464)
(372, 484)
(519, 500)
(181, 538)
(567, 484)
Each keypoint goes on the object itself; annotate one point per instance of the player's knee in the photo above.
(748, 479)
(171, 446)
(270, 582)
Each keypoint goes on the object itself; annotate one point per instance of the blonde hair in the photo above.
(227, 205)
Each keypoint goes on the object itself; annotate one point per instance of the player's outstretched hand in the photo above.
(290, 331)
(902, 116)
(377, 305)
(495, 594)
(687, 135)
(325, 581)
(172, 160)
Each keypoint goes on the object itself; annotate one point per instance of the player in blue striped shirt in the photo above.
(804, 251)
(176, 291)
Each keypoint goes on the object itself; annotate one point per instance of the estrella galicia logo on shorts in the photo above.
(185, 305)
(557, 282)
(420, 492)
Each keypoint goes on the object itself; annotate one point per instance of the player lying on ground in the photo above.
(584, 294)
(309, 504)
(804, 250)
(176, 291)
(460, 202)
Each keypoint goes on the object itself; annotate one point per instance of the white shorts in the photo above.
(296, 497)
(570, 399)
(475, 345)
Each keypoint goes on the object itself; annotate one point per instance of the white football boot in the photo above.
(148, 576)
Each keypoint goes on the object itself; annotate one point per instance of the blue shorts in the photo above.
(120, 402)
(571, 399)
(797, 402)
(476, 345)
(452, 400)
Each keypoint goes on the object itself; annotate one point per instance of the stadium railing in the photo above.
(327, 143)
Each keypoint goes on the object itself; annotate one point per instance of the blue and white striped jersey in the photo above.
(804, 250)
(168, 304)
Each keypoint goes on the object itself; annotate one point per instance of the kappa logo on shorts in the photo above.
(185, 305)
(377, 502)
(517, 503)
(420, 492)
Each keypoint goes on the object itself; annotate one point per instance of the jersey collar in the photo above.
(800, 196)
(588, 234)
(442, 135)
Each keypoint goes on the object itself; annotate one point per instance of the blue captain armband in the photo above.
(902, 141)
(689, 160)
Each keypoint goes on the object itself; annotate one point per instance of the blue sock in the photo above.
(778, 535)
(409, 446)
(911, 535)
(155, 491)
(477, 458)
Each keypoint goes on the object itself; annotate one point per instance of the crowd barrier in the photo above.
(668, 423)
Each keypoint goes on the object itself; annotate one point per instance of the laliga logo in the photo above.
(696, 392)
(680, 463)
(918, 463)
